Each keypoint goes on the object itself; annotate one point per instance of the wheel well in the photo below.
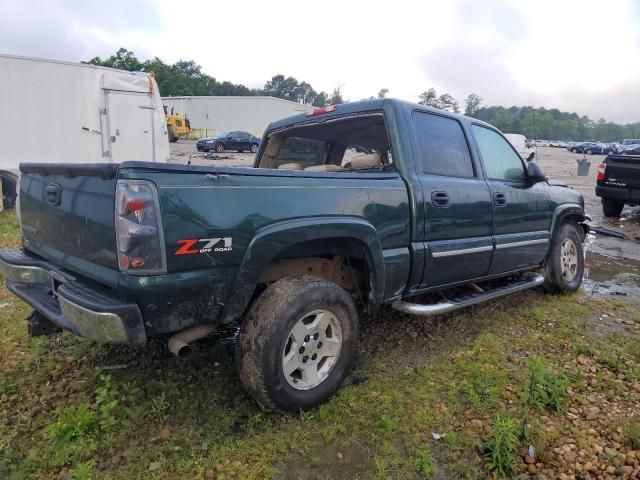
(578, 219)
(342, 261)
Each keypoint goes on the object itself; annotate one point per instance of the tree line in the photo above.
(185, 78)
(535, 123)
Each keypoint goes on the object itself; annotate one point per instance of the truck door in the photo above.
(130, 122)
(521, 211)
(457, 203)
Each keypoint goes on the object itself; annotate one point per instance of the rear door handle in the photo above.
(440, 199)
(499, 199)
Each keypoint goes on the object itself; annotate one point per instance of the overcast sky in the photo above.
(577, 55)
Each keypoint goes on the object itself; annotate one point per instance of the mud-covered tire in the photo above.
(566, 245)
(611, 208)
(266, 334)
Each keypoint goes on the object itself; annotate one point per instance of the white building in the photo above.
(208, 115)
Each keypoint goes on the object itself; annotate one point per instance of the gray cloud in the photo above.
(48, 29)
(464, 67)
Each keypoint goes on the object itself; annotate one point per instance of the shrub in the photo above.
(502, 448)
(543, 388)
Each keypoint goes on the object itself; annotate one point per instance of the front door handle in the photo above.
(499, 199)
(440, 199)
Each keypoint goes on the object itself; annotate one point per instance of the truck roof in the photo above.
(368, 105)
(73, 64)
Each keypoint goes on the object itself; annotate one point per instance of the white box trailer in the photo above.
(63, 112)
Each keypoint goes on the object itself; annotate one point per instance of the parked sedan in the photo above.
(579, 147)
(630, 149)
(222, 141)
(600, 148)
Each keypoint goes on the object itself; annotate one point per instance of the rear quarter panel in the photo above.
(238, 204)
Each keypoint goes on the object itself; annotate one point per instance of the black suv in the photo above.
(222, 141)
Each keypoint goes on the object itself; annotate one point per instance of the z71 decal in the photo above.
(195, 245)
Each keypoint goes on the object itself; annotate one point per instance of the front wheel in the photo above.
(564, 266)
(611, 208)
(297, 343)
(219, 148)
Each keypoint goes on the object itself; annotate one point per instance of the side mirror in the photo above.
(534, 173)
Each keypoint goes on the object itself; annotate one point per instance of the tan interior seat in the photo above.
(365, 160)
(323, 168)
(290, 166)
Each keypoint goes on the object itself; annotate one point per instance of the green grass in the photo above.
(632, 433)
(502, 448)
(60, 408)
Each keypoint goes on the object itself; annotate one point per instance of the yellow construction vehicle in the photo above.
(177, 125)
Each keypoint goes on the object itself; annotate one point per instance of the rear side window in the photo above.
(500, 160)
(442, 146)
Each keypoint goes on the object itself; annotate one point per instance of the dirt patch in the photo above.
(330, 461)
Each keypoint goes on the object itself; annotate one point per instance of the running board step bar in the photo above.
(526, 282)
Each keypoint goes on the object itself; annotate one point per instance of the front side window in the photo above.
(442, 146)
(500, 160)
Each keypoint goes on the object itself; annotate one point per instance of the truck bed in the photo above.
(236, 207)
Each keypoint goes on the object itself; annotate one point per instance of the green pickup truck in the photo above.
(346, 208)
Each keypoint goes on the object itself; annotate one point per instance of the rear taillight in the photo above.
(601, 168)
(139, 228)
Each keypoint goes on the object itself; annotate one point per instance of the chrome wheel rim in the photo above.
(569, 259)
(219, 148)
(254, 149)
(312, 349)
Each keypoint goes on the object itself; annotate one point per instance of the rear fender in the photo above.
(273, 239)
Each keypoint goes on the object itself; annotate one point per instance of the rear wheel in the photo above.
(297, 343)
(564, 266)
(611, 208)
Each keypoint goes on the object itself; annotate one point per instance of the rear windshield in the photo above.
(355, 143)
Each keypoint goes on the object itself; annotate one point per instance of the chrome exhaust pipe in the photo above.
(179, 343)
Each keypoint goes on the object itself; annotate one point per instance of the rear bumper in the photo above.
(627, 195)
(88, 311)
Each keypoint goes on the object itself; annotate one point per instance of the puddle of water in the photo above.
(606, 275)
(602, 268)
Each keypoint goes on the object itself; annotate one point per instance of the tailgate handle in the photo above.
(54, 194)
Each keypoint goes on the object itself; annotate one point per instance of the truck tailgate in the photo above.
(67, 212)
(622, 171)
